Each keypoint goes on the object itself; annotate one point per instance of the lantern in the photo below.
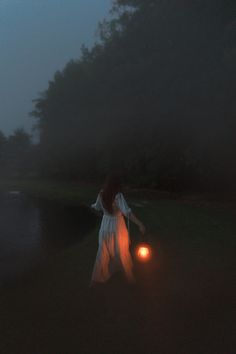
(143, 252)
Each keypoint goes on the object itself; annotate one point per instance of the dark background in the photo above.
(154, 97)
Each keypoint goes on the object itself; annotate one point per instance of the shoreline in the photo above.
(52, 309)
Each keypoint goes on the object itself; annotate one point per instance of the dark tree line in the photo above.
(154, 97)
(17, 155)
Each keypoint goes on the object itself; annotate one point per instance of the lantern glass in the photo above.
(143, 252)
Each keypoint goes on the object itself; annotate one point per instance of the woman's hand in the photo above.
(142, 229)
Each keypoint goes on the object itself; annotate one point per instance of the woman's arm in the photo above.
(123, 206)
(136, 221)
(97, 205)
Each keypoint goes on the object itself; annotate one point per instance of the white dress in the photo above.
(113, 250)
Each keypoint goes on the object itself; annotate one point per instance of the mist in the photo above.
(36, 39)
(120, 114)
(151, 95)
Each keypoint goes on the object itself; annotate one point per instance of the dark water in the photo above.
(32, 229)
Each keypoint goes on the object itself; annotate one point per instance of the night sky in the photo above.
(38, 37)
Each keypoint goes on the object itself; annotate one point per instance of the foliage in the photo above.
(17, 154)
(154, 97)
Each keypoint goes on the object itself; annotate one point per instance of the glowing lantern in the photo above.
(143, 252)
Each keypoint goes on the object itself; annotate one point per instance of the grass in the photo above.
(72, 193)
(181, 303)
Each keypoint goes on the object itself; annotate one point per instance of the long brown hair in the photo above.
(111, 187)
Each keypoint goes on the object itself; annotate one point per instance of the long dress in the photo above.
(113, 247)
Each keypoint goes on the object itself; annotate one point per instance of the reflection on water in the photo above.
(31, 229)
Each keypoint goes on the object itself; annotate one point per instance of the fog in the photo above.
(152, 94)
(36, 39)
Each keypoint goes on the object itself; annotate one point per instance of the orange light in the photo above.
(143, 253)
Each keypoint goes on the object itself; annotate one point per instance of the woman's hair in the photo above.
(112, 186)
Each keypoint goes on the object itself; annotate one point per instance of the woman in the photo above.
(113, 251)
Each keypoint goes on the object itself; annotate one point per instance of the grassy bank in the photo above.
(67, 192)
(203, 229)
(181, 302)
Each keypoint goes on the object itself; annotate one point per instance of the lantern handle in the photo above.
(144, 237)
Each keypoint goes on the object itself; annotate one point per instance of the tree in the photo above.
(17, 149)
(2, 148)
(162, 70)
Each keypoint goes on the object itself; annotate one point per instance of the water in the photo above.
(32, 229)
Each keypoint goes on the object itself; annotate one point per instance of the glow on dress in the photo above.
(113, 241)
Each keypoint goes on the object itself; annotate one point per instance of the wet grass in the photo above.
(73, 193)
(181, 304)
